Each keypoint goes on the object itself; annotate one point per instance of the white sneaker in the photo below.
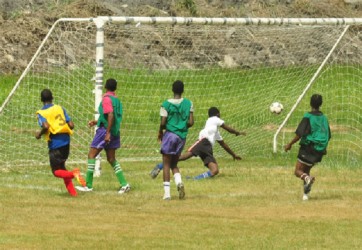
(84, 189)
(166, 198)
(309, 180)
(305, 197)
(125, 189)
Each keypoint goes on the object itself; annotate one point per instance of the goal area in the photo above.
(240, 65)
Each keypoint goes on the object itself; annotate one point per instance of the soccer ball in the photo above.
(276, 108)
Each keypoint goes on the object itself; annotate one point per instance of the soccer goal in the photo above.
(240, 65)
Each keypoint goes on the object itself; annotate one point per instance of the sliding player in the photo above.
(204, 145)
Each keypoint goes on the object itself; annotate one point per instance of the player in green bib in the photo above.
(176, 118)
(314, 134)
(107, 137)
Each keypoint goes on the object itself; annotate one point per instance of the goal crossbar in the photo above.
(144, 51)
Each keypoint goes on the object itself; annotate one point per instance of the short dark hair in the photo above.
(178, 87)
(316, 101)
(111, 84)
(46, 95)
(213, 111)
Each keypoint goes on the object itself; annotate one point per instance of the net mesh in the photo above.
(239, 69)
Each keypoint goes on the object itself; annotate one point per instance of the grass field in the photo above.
(255, 203)
(250, 205)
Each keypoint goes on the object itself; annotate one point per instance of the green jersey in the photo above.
(117, 114)
(319, 134)
(177, 116)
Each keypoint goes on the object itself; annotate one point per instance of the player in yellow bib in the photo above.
(57, 127)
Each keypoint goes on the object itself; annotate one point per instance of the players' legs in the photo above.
(57, 158)
(67, 176)
(210, 163)
(299, 170)
(155, 171)
(213, 168)
(111, 158)
(302, 171)
(185, 156)
(166, 159)
(93, 152)
(177, 176)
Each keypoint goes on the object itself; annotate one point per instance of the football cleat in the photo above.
(84, 189)
(78, 177)
(124, 189)
(181, 191)
(155, 171)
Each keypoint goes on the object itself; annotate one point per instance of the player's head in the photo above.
(316, 101)
(178, 87)
(111, 84)
(213, 111)
(46, 95)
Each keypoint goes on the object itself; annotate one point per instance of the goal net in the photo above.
(240, 66)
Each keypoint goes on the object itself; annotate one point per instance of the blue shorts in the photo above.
(98, 140)
(172, 144)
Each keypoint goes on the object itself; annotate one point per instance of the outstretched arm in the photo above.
(231, 130)
(290, 144)
(228, 149)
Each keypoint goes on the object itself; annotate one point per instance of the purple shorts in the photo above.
(98, 140)
(172, 144)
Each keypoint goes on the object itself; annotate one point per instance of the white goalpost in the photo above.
(240, 65)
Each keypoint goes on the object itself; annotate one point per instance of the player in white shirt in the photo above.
(203, 147)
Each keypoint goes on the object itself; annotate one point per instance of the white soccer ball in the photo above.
(276, 108)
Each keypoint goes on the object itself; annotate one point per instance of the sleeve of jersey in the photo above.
(303, 127)
(218, 136)
(163, 111)
(67, 117)
(41, 120)
(107, 105)
(192, 107)
(220, 122)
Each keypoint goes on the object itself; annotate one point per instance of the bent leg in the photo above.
(185, 156)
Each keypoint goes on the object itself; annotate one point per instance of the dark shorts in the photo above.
(58, 157)
(98, 140)
(308, 156)
(172, 144)
(203, 149)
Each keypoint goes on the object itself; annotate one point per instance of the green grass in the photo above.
(250, 205)
(7, 82)
(254, 203)
(242, 95)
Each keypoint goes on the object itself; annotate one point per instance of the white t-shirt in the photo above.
(211, 130)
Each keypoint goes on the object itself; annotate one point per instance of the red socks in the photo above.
(60, 173)
(67, 176)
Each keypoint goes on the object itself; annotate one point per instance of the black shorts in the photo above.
(309, 156)
(57, 157)
(203, 149)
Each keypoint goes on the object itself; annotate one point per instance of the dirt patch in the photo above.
(24, 24)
